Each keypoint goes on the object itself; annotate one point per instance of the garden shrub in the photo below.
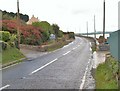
(4, 36)
(12, 44)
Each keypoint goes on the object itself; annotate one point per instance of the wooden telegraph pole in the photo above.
(87, 28)
(104, 20)
(18, 24)
(94, 28)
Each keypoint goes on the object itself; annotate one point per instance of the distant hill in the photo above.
(10, 16)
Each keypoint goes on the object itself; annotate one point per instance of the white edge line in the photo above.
(90, 49)
(84, 77)
(4, 87)
(43, 66)
(73, 48)
(66, 53)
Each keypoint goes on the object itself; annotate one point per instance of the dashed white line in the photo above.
(66, 53)
(4, 87)
(74, 48)
(43, 66)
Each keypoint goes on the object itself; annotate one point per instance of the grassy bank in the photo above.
(57, 45)
(11, 54)
(106, 75)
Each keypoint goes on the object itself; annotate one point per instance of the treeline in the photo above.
(12, 16)
(35, 34)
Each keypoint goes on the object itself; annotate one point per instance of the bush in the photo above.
(12, 44)
(3, 44)
(45, 36)
(4, 36)
(60, 33)
(13, 38)
(71, 35)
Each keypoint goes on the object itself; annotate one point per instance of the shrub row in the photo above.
(7, 39)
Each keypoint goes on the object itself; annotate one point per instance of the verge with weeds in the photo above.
(107, 74)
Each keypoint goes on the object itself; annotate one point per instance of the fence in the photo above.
(114, 41)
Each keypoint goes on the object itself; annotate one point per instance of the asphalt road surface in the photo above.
(62, 69)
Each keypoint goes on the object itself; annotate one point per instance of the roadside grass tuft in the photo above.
(106, 75)
(11, 54)
(57, 45)
(93, 48)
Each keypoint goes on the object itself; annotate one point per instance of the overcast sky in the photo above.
(70, 15)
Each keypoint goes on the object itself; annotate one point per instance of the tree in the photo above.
(56, 30)
(29, 34)
(60, 33)
(45, 26)
(47, 29)
(10, 16)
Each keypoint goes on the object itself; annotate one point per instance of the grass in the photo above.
(106, 75)
(93, 48)
(57, 45)
(11, 54)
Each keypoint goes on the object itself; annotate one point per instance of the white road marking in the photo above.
(43, 67)
(66, 53)
(84, 77)
(65, 46)
(73, 48)
(90, 43)
(90, 49)
(4, 87)
(24, 77)
(78, 45)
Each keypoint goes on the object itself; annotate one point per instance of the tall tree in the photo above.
(56, 30)
(45, 26)
(10, 16)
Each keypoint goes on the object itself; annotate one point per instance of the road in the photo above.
(61, 69)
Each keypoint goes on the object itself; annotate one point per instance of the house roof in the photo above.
(33, 19)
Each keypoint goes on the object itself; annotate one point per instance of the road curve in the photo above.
(61, 69)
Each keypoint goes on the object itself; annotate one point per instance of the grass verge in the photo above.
(106, 74)
(11, 54)
(93, 48)
(57, 45)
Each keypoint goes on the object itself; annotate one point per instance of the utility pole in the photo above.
(80, 31)
(94, 28)
(87, 28)
(104, 19)
(18, 24)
